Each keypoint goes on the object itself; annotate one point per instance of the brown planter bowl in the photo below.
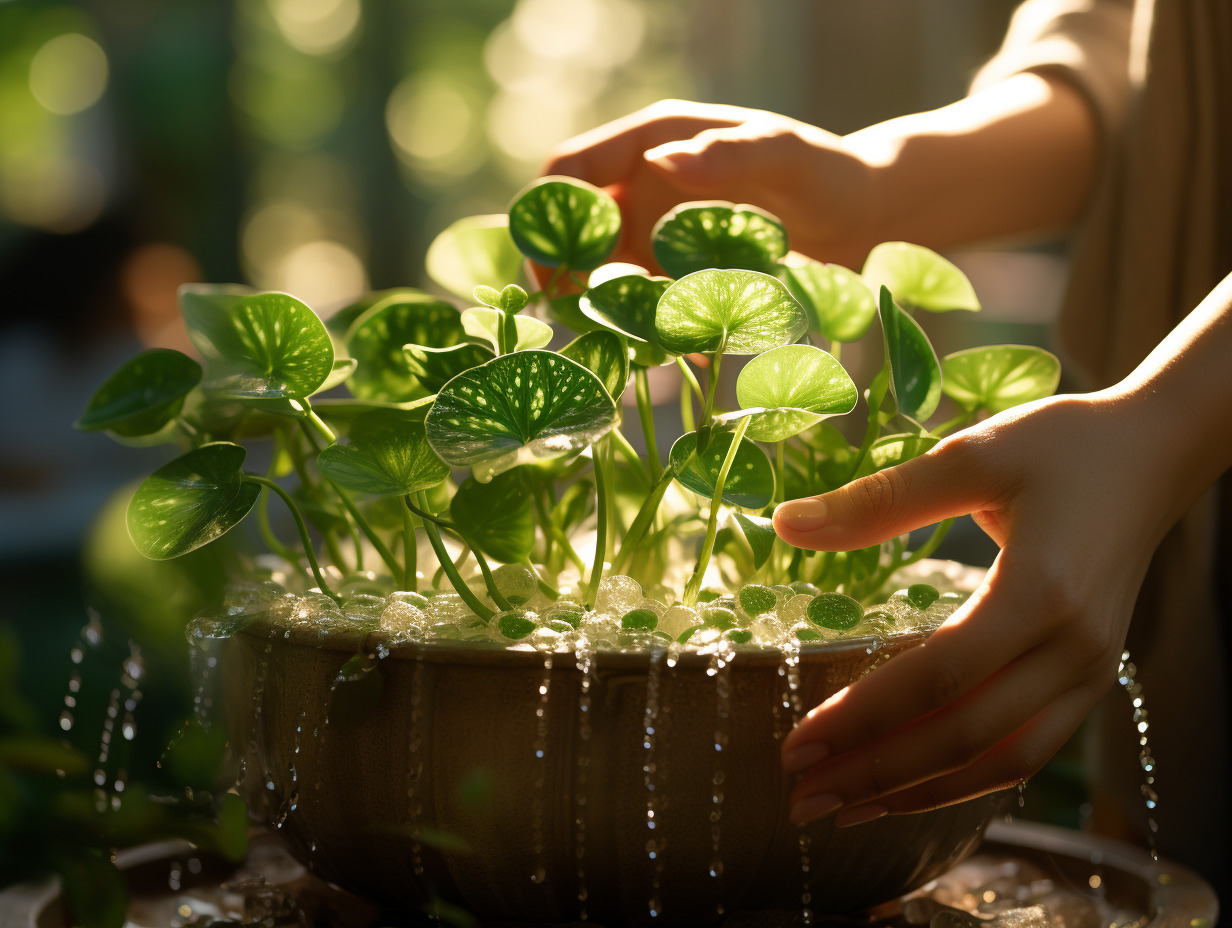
(467, 715)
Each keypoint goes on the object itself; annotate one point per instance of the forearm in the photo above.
(1018, 158)
(1182, 396)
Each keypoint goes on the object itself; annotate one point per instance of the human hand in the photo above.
(675, 151)
(1077, 492)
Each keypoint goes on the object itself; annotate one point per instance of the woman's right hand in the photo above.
(675, 151)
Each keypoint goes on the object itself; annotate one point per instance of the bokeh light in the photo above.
(317, 27)
(431, 119)
(51, 190)
(68, 74)
(324, 274)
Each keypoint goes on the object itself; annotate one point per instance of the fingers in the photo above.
(609, 153)
(943, 742)
(957, 657)
(952, 479)
(1010, 762)
(732, 159)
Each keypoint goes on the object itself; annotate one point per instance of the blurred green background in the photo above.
(316, 146)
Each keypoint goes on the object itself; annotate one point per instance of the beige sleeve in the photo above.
(1086, 42)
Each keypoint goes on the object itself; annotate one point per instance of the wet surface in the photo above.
(997, 888)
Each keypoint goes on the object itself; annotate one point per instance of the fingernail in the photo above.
(859, 815)
(814, 807)
(803, 515)
(805, 756)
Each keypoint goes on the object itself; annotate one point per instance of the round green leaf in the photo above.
(835, 610)
(341, 321)
(515, 625)
(999, 376)
(839, 304)
(734, 311)
(481, 322)
(388, 455)
(915, 375)
(718, 234)
(518, 408)
(561, 220)
(918, 276)
(376, 340)
(606, 272)
(922, 595)
(604, 354)
(498, 517)
(475, 251)
(797, 386)
(435, 367)
(750, 482)
(756, 599)
(260, 345)
(627, 305)
(144, 395)
(190, 501)
(644, 619)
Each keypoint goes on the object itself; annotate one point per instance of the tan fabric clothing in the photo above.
(1155, 241)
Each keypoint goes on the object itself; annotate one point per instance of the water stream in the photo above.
(539, 795)
(720, 669)
(584, 659)
(655, 843)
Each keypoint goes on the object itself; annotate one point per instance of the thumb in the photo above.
(950, 480)
(713, 159)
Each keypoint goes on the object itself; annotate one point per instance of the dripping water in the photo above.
(584, 659)
(1127, 678)
(90, 636)
(792, 704)
(720, 669)
(258, 709)
(203, 663)
(539, 873)
(654, 838)
(291, 802)
(415, 765)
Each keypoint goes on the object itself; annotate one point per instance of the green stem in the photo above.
(267, 531)
(629, 453)
(601, 501)
(410, 552)
(876, 393)
(447, 565)
(780, 462)
(693, 587)
(486, 571)
(711, 383)
(643, 519)
(303, 533)
(382, 549)
(836, 350)
(318, 423)
(686, 407)
(645, 412)
(557, 533)
(690, 379)
(940, 530)
(960, 421)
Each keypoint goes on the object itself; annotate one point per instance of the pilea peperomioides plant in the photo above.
(533, 436)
